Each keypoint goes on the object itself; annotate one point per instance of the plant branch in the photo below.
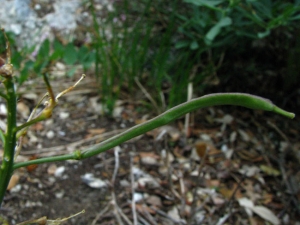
(30, 122)
(245, 100)
(47, 111)
(10, 138)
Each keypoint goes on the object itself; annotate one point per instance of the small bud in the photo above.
(6, 70)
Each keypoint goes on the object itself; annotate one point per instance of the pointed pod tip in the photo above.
(283, 112)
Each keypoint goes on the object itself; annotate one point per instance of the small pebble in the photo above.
(59, 171)
(50, 134)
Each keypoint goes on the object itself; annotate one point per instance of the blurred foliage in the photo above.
(218, 23)
(35, 61)
(167, 44)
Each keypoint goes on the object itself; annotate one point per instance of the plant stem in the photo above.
(246, 100)
(29, 123)
(10, 138)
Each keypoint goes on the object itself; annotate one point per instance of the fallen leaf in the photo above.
(201, 148)
(213, 183)
(96, 131)
(227, 119)
(267, 198)
(154, 200)
(269, 170)
(13, 181)
(250, 155)
(149, 158)
(38, 126)
(233, 136)
(266, 214)
(51, 169)
(142, 208)
(32, 167)
(244, 135)
(174, 214)
(249, 171)
(189, 198)
(228, 192)
(217, 200)
(261, 211)
(148, 181)
(246, 202)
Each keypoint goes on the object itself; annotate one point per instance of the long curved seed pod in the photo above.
(239, 99)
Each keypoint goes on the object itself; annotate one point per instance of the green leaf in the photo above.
(208, 3)
(44, 50)
(181, 44)
(71, 72)
(263, 34)
(194, 45)
(58, 50)
(25, 71)
(16, 59)
(264, 8)
(86, 57)
(39, 65)
(70, 55)
(215, 30)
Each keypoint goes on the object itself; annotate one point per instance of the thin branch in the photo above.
(278, 131)
(146, 93)
(187, 116)
(193, 207)
(117, 164)
(50, 91)
(124, 216)
(116, 211)
(70, 88)
(20, 135)
(101, 214)
(21, 132)
(135, 222)
(47, 111)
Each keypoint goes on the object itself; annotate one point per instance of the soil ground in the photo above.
(250, 155)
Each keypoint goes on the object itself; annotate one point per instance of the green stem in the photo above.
(10, 138)
(47, 160)
(30, 122)
(245, 100)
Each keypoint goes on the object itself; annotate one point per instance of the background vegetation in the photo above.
(160, 49)
(163, 46)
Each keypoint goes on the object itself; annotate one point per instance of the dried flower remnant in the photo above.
(6, 68)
